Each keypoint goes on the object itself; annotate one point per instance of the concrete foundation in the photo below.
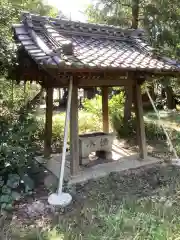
(122, 159)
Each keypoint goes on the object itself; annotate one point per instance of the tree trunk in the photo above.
(30, 104)
(59, 93)
(90, 93)
(171, 103)
(152, 92)
(128, 90)
(128, 103)
(163, 93)
(135, 13)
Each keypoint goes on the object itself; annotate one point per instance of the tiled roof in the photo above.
(68, 44)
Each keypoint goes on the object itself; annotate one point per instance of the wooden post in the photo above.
(141, 136)
(74, 137)
(59, 93)
(128, 102)
(48, 123)
(105, 112)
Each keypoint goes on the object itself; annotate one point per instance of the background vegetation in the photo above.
(22, 128)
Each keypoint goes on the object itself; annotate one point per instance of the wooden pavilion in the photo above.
(53, 50)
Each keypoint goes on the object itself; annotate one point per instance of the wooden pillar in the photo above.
(105, 112)
(128, 102)
(59, 96)
(48, 122)
(141, 136)
(74, 132)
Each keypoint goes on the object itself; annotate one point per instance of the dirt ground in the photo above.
(35, 212)
(114, 188)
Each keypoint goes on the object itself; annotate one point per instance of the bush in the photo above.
(18, 146)
(88, 122)
(116, 103)
(123, 130)
(93, 106)
(20, 139)
(16, 96)
(58, 132)
(128, 130)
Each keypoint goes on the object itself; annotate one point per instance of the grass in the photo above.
(132, 205)
(169, 119)
(137, 205)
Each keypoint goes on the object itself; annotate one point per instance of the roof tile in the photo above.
(49, 41)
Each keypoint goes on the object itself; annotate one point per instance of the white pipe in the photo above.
(166, 133)
(61, 176)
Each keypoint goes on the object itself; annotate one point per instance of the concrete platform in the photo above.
(122, 159)
(102, 170)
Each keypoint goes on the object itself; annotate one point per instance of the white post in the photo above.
(61, 176)
(61, 198)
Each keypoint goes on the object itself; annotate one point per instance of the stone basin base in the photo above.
(98, 142)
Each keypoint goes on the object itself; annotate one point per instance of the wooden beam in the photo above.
(74, 137)
(105, 112)
(141, 136)
(88, 82)
(103, 82)
(48, 122)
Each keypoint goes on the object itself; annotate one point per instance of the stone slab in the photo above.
(96, 171)
(53, 164)
(102, 170)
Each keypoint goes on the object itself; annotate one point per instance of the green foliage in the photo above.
(19, 143)
(123, 129)
(141, 205)
(94, 105)
(160, 22)
(13, 181)
(128, 129)
(28, 183)
(110, 12)
(58, 130)
(35, 6)
(88, 122)
(16, 96)
(12, 189)
(116, 103)
(9, 13)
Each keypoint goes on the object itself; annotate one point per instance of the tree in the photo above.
(160, 22)
(9, 13)
(115, 13)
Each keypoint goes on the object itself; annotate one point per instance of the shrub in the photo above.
(18, 146)
(17, 95)
(88, 122)
(128, 130)
(116, 103)
(58, 131)
(94, 106)
(14, 187)
(20, 136)
(123, 129)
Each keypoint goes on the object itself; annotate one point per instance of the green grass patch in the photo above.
(132, 205)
